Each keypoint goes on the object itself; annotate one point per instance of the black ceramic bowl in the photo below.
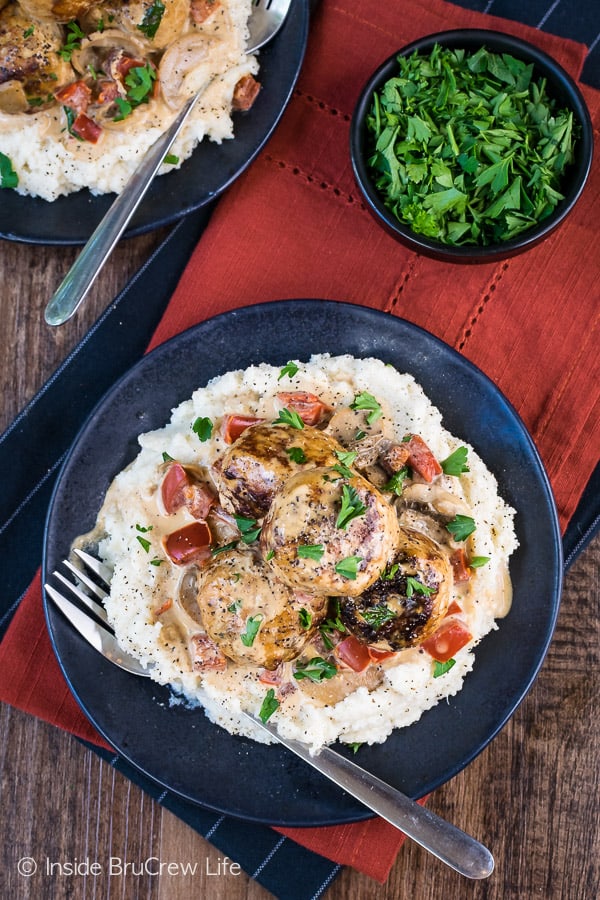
(560, 87)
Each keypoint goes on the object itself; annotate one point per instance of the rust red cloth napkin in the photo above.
(294, 226)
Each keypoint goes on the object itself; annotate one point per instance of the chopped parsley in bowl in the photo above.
(471, 145)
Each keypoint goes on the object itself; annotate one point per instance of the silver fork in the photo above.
(265, 20)
(448, 843)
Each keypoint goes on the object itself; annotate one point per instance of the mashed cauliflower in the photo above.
(156, 599)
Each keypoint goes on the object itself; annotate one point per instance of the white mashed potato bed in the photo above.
(139, 588)
(49, 161)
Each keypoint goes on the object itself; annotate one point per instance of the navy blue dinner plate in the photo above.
(203, 177)
(178, 747)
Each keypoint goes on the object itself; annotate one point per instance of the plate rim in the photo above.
(163, 350)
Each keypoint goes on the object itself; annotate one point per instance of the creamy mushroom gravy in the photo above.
(87, 86)
(330, 576)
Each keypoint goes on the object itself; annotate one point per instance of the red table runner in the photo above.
(294, 226)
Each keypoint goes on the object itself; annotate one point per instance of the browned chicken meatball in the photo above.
(252, 617)
(29, 54)
(329, 534)
(264, 456)
(408, 602)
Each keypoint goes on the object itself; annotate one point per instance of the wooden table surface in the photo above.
(531, 796)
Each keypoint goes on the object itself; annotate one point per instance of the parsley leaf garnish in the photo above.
(203, 427)
(252, 627)
(73, 41)
(348, 567)
(476, 562)
(310, 551)
(269, 705)
(367, 401)
(376, 616)
(290, 369)
(351, 507)
(440, 668)
(396, 482)
(152, 19)
(461, 527)
(305, 618)
(317, 670)
(456, 463)
(289, 417)
(296, 454)
(8, 176)
(249, 529)
(414, 586)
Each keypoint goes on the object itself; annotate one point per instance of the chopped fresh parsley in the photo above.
(305, 619)
(468, 147)
(223, 548)
(234, 607)
(203, 427)
(351, 507)
(152, 19)
(73, 41)
(317, 670)
(376, 616)
(456, 463)
(461, 527)
(348, 567)
(249, 529)
(310, 551)
(252, 627)
(367, 401)
(414, 586)
(289, 417)
(440, 668)
(396, 482)
(8, 176)
(476, 562)
(296, 454)
(139, 83)
(171, 159)
(290, 369)
(144, 542)
(28, 32)
(269, 705)
(167, 457)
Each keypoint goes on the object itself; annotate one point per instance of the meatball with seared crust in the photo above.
(258, 463)
(252, 617)
(29, 54)
(328, 533)
(407, 603)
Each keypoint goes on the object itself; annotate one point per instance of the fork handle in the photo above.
(82, 274)
(448, 843)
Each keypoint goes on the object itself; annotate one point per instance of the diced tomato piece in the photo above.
(189, 544)
(205, 654)
(460, 566)
(86, 129)
(421, 459)
(309, 407)
(268, 676)
(379, 655)
(108, 91)
(233, 425)
(180, 488)
(76, 96)
(353, 653)
(454, 609)
(127, 63)
(448, 639)
(245, 93)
